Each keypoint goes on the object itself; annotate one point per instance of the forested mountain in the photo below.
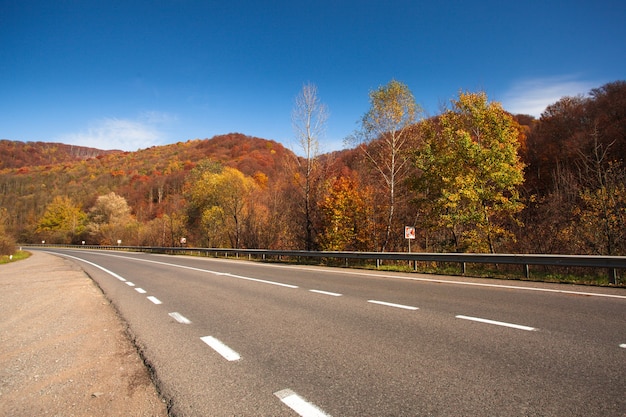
(152, 181)
(14, 154)
(473, 178)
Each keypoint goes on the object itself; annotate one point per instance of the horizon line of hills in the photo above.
(15, 154)
(20, 154)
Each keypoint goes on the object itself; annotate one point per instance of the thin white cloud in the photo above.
(532, 96)
(157, 117)
(122, 134)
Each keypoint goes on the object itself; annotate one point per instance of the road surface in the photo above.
(238, 338)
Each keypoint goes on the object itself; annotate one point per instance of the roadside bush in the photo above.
(7, 245)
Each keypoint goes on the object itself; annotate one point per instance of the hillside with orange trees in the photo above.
(149, 179)
(15, 154)
(556, 184)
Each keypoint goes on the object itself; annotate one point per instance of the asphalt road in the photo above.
(236, 338)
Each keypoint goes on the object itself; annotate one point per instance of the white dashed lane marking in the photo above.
(299, 404)
(263, 281)
(221, 348)
(180, 318)
(140, 290)
(154, 299)
(497, 323)
(332, 294)
(384, 303)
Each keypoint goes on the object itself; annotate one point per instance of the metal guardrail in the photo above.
(610, 263)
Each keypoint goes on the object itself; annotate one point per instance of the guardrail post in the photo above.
(613, 276)
(377, 263)
(526, 270)
(462, 268)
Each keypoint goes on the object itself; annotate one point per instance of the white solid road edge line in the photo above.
(497, 323)
(384, 303)
(180, 318)
(333, 294)
(299, 404)
(154, 299)
(221, 348)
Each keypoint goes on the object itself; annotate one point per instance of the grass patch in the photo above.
(580, 276)
(17, 256)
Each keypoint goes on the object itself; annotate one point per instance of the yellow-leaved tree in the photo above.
(223, 199)
(386, 139)
(62, 222)
(470, 172)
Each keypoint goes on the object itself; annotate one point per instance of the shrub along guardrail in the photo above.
(610, 263)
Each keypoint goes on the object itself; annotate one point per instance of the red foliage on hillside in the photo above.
(31, 174)
(15, 154)
(246, 153)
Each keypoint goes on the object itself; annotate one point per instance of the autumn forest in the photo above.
(473, 178)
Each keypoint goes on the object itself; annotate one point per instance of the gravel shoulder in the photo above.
(63, 349)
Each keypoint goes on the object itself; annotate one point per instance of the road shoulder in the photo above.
(63, 349)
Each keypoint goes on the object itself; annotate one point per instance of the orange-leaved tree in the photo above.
(346, 216)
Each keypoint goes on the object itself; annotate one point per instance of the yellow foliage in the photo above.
(470, 170)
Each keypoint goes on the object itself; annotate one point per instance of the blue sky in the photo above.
(132, 74)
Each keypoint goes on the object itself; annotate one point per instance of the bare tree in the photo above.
(601, 216)
(309, 118)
